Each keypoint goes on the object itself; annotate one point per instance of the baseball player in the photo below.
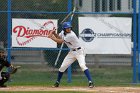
(76, 52)
(4, 76)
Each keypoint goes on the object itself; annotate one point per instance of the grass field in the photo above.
(42, 75)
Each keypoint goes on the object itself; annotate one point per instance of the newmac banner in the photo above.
(105, 35)
(33, 32)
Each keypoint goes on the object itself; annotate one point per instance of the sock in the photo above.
(60, 74)
(88, 75)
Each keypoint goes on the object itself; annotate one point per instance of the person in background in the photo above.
(4, 76)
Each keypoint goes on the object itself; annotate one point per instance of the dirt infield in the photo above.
(83, 89)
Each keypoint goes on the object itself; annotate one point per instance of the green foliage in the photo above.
(40, 5)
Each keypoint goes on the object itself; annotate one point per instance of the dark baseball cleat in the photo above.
(56, 84)
(3, 86)
(91, 85)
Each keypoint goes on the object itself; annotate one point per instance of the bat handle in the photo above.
(56, 61)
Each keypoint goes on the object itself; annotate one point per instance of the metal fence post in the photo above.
(134, 41)
(69, 68)
(139, 42)
(9, 30)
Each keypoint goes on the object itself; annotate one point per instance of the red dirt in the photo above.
(82, 89)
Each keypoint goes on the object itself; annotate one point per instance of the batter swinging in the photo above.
(76, 52)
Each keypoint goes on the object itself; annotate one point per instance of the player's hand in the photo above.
(52, 32)
(51, 36)
(13, 69)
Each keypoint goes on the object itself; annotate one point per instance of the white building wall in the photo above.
(124, 6)
(89, 6)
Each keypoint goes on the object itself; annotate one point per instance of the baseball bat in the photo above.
(41, 27)
(70, 14)
(56, 61)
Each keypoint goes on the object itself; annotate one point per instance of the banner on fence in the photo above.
(105, 35)
(33, 32)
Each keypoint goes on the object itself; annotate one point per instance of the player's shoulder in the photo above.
(61, 33)
(70, 34)
(73, 34)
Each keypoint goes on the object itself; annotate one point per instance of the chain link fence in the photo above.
(57, 9)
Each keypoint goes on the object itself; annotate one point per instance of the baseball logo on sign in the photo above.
(25, 34)
(87, 35)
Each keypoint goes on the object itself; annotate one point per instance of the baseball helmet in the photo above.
(66, 25)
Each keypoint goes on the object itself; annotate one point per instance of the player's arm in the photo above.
(58, 40)
(55, 34)
(55, 37)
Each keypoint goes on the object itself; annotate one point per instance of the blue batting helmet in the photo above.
(66, 25)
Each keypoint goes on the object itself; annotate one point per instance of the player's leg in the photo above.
(5, 77)
(82, 63)
(69, 59)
